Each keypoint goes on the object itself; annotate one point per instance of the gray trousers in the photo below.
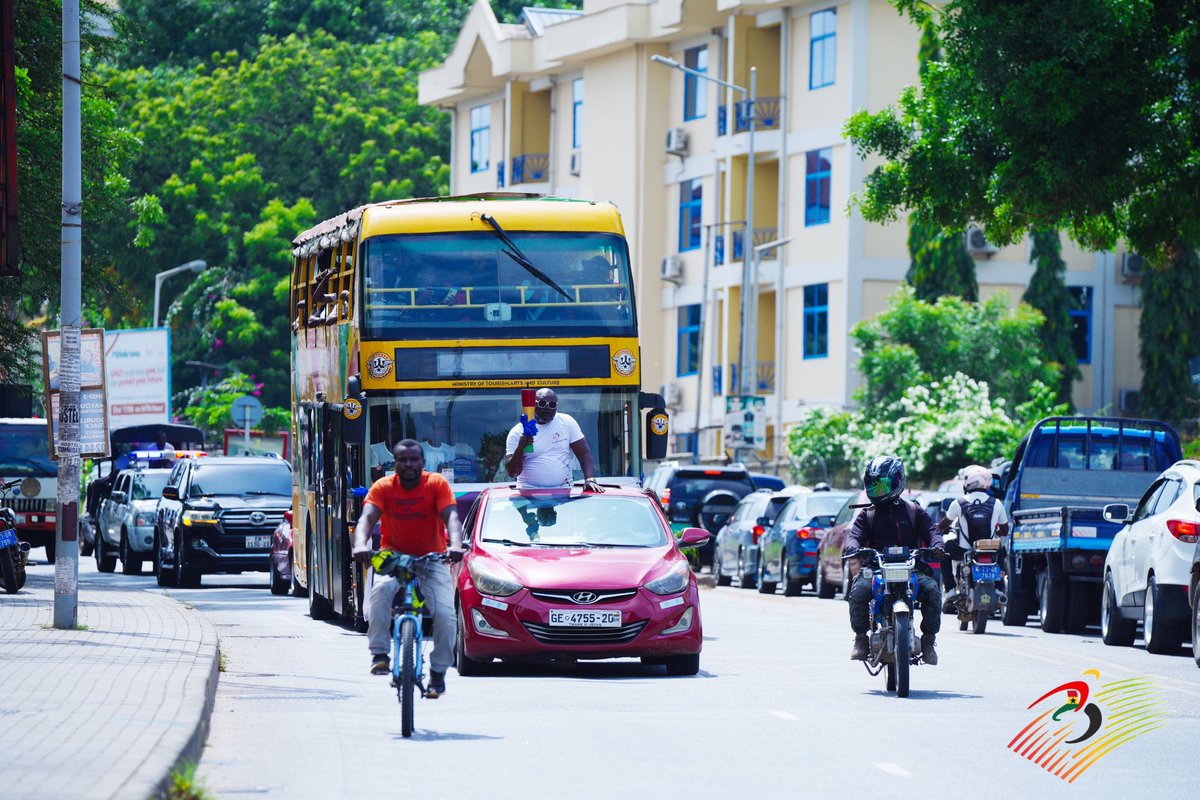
(437, 587)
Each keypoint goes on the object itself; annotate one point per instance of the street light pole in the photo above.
(747, 370)
(193, 266)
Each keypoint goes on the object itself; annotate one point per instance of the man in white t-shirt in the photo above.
(558, 438)
(977, 515)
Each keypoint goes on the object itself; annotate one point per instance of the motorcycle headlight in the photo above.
(489, 580)
(673, 581)
(199, 518)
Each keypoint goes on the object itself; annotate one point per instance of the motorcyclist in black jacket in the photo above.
(891, 521)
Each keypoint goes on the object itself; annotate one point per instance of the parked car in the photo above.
(790, 548)
(219, 514)
(735, 553)
(693, 495)
(764, 481)
(1193, 590)
(125, 524)
(565, 574)
(282, 558)
(1148, 569)
(832, 572)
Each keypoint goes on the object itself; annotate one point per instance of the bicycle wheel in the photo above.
(405, 688)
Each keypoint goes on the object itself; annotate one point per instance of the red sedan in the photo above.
(558, 573)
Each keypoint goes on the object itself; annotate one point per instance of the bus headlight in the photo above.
(199, 518)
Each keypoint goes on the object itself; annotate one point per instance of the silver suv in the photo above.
(125, 520)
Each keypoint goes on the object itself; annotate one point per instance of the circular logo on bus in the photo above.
(351, 408)
(624, 361)
(659, 424)
(379, 365)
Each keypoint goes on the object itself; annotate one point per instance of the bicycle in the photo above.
(408, 659)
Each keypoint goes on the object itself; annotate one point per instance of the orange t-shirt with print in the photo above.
(410, 520)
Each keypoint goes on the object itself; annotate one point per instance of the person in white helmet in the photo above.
(974, 516)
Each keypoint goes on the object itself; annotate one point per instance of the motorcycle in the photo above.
(893, 647)
(979, 595)
(14, 554)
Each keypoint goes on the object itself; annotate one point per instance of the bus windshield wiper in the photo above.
(512, 251)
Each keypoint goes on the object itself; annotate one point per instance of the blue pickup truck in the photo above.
(1063, 473)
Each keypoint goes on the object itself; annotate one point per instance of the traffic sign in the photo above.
(246, 411)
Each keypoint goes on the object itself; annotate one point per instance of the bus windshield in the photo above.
(463, 285)
(463, 433)
(23, 451)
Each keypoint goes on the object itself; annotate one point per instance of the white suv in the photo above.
(1148, 567)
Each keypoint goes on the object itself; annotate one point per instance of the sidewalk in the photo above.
(105, 712)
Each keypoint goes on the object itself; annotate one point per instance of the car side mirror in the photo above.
(119, 498)
(1116, 512)
(946, 503)
(693, 537)
(170, 493)
(825, 520)
(764, 521)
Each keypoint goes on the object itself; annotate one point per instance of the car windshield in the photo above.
(563, 520)
(819, 505)
(695, 487)
(24, 452)
(149, 485)
(272, 477)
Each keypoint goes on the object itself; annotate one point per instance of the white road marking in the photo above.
(894, 769)
(784, 715)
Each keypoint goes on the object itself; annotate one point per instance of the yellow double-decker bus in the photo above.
(424, 319)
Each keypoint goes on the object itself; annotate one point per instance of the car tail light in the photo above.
(712, 472)
(757, 531)
(806, 533)
(1184, 530)
(666, 498)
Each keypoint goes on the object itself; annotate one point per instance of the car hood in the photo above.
(584, 567)
(260, 502)
(145, 505)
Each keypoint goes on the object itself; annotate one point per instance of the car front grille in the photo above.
(239, 521)
(28, 504)
(568, 595)
(554, 635)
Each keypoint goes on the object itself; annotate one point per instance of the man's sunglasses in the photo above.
(547, 404)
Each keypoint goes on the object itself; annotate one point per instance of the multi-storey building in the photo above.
(570, 103)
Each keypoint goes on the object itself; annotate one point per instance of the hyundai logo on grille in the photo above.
(584, 598)
(257, 518)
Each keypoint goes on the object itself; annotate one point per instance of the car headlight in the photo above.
(200, 518)
(144, 518)
(488, 580)
(673, 581)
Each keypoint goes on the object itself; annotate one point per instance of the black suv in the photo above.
(218, 514)
(700, 496)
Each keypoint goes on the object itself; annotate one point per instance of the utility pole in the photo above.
(66, 562)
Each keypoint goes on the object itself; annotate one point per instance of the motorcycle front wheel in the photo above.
(903, 653)
(8, 571)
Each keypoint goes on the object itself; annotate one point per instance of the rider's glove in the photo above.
(528, 426)
(850, 551)
(455, 554)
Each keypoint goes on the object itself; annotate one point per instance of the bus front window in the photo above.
(464, 285)
(464, 433)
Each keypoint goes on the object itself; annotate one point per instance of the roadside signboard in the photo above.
(138, 376)
(745, 423)
(93, 404)
(260, 443)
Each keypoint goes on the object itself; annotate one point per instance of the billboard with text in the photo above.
(138, 376)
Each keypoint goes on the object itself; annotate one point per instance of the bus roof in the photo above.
(515, 211)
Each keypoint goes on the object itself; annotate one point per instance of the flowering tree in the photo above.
(208, 407)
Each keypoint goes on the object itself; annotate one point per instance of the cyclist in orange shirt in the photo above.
(415, 510)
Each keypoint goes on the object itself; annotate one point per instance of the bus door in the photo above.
(331, 502)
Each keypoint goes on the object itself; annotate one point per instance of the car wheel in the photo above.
(297, 589)
(683, 665)
(86, 547)
(467, 667)
(1051, 600)
(745, 580)
(185, 577)
(791, 588)
(279, 585)
(718, 570)
(131, 562)
(1196, 628)
(1115, 630)
(1162, 637)
(1013, 615)
(163, 574)
(105, 561)
(764, 586)
(825, 590)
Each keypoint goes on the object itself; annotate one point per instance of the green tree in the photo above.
(207, 407)
(1047, 292)
(1170, 331)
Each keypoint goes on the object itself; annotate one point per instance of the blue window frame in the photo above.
(822, 48)
(818, 170)
(576, 112)
(816, 320)
(690, 201)
(1081, 322)
(481, 138)
(687, 354)
(695, 90)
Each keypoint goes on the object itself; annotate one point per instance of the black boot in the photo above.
(862, 646)
(928, 654)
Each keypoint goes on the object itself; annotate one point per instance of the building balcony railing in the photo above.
(531, 168)
(761, 236)
(765, 379)
(767, 111)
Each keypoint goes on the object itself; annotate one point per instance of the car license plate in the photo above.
(571, 618)
(986, 572)
(254, 542)
(8, 538)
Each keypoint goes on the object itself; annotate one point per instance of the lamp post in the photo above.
(204, 366)
(191, 266)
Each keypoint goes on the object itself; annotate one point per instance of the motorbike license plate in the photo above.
(8, 538)
(571, 618)
(254, 542)
(985, 572)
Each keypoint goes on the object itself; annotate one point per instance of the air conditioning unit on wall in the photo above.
(576, 161)
(977, 244)
(1131, 267)
(671, 269)
(677, 142)
(671, 394)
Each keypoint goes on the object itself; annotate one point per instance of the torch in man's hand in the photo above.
(528, 398)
